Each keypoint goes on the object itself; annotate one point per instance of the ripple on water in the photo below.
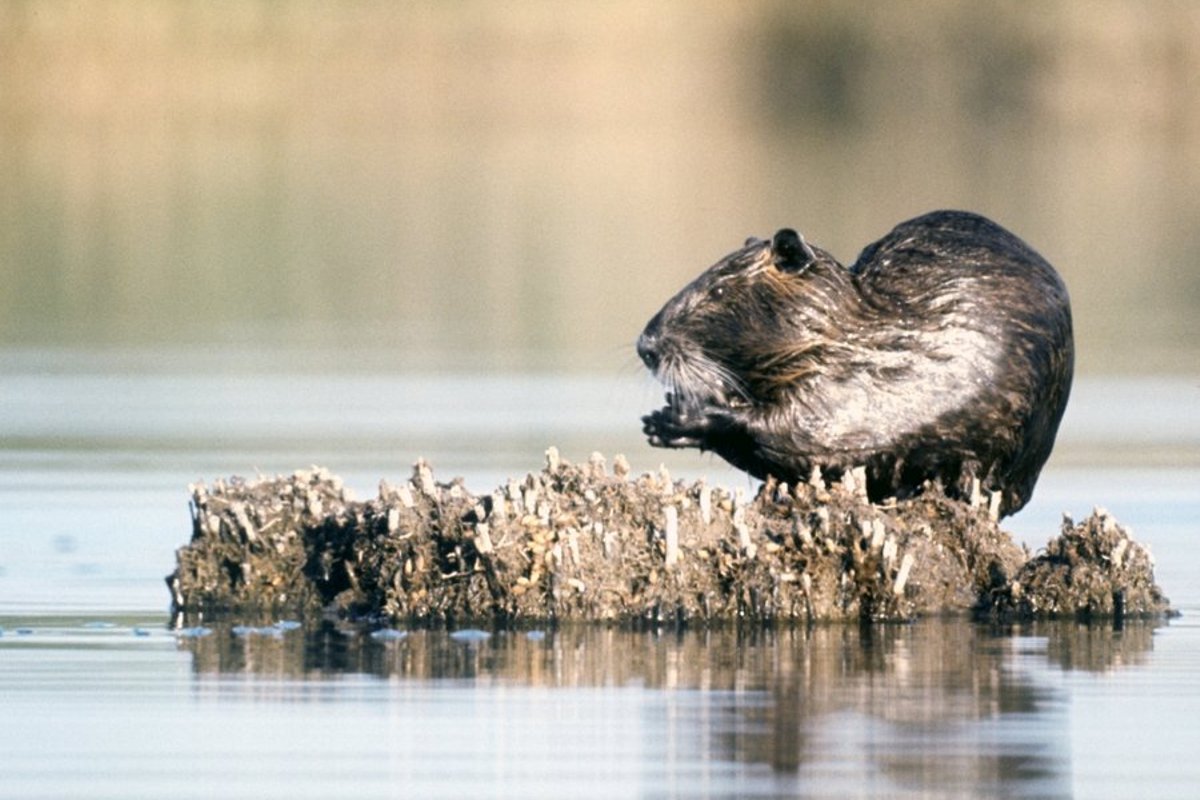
(388, 635)
(193, 633)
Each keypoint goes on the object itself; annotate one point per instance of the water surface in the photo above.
(939, 708)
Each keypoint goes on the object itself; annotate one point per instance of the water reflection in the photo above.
(938, 703)
(1095, 648)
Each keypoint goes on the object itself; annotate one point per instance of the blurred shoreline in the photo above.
(525, 184)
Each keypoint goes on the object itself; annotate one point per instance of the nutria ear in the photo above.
(791, 252)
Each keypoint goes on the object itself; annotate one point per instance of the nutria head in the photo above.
(756, 322)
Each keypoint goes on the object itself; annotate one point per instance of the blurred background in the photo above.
(405, 222)
(523, 184)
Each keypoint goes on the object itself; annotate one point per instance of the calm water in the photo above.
(102, 699)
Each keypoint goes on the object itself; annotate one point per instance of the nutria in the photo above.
(943, 355)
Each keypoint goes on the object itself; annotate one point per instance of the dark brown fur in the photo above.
(943, 354)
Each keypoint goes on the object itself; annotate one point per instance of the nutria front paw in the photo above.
(677, 426)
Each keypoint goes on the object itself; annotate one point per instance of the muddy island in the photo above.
(583, 542)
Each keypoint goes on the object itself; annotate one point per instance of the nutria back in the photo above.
(944, 353)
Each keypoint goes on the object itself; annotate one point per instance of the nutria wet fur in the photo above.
(943, 354)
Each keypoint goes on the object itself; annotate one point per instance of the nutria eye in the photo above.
(791, 252)
(717, 292)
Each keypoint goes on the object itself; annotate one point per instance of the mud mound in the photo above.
(578, 542)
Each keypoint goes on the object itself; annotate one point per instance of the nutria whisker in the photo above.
(699, 379)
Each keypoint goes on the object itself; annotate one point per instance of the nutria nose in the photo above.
(647, 349)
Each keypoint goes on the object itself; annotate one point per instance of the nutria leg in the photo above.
(735, 434)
